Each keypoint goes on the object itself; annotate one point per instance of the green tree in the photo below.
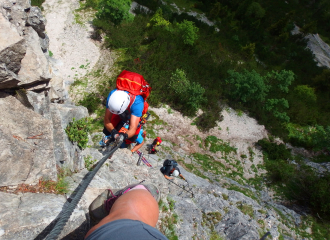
(158, 20)
(195, 96)
(280, 80)
(305, 94)
(280, 26)
(303, 105)
(315, 137)
(190, 94)
(248, 50)
(276, 107)
(247, 86)
(255, 11)
(179, 82)
(116, 11)
(322, 81)
(188, 32)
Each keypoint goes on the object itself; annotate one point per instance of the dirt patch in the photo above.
(70, 43)
(241, 132)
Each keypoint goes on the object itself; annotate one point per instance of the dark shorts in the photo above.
(125, 229)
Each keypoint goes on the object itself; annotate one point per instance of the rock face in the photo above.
(213, 210)
(66, 154)
(12, 51)
(319, 48)
(32, 213)
(37, 21)
(24, 160)
(23, 45)
(35, 66)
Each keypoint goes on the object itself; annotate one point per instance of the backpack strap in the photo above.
(132, 100)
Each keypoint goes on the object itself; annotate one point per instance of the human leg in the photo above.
(137, 204)
(137, 146)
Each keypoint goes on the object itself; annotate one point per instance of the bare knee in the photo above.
(136, 204)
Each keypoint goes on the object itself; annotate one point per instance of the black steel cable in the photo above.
(66, 212)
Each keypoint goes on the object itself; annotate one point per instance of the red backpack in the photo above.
(133, 83)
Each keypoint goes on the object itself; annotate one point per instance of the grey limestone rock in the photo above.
(12, 51)
(37, 21)
(8, 79)
(66, 153)
(35, 66)
(57, 92)
(44, 43)
(25, 216)
(24, 160)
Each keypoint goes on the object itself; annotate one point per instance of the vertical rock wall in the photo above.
(40, 109)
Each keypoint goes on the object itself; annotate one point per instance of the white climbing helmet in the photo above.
(118, 102)
(175, 173)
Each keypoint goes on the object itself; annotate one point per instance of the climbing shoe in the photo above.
(101, 206)
(105, 141)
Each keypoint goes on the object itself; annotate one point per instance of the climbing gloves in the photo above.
(124, 135)
(113, 133)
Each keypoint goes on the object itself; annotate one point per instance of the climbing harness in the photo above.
(67, 211)
(186, 188)
(144, 160)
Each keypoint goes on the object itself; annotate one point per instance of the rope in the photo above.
(183, 187)
(66, 212)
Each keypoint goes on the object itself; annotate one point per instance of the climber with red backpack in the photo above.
(155, 145)
(125, 107)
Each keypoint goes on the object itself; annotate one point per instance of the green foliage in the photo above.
(248, 50)
(246, 209)
(275, 106)
(209, 118)
(306, 94)
(77, 131)
(322, 81)
(91, 102)
(50, 53)
(280, 80)
(255, 11)
(89, 163)
(171, 203)
(247, 86)
(280, 27)
(188, 32)
(160, 51)
(314, 137)
(62, 185)
(37, 3)
(89, 4)
(274, 151)
(190, 94)
(116, 11)
(297, 184)
(218, 145)
(179, 82)
(303, 102)
(157, 20)
(194, 96)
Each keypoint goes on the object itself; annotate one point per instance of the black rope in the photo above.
(183, 187)
(66, 212)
